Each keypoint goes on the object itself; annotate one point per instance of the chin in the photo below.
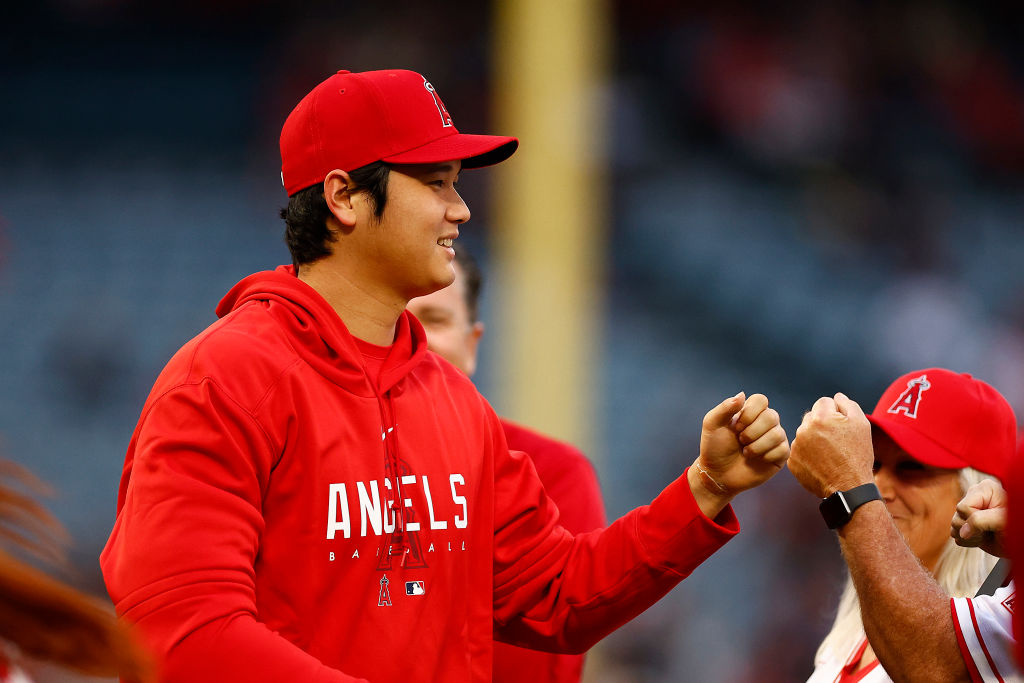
(426, 289)
(443, 281)
(448, 278)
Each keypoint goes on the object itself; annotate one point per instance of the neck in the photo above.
(367, 315)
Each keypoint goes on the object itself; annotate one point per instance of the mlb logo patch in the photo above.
(415, 588)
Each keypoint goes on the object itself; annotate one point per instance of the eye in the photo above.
(433, 318)
(910, 466)
(876, 466)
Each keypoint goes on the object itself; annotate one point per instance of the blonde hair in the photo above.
(960, 572)
(45, 618)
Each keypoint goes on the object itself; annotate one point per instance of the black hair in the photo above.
(473, 280)
(305, 218)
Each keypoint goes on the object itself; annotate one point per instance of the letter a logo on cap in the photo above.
(910, 399)
(446, 118)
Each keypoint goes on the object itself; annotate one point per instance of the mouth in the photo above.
(446, 242)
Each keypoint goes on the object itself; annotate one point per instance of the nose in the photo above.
(458, 211)
(885, 483)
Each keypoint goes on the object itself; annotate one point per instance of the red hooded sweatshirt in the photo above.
(281, 517)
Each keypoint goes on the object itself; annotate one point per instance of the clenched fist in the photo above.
(832, 448)
(980, 519)
(742, 445)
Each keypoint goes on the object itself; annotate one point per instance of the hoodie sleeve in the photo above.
(180, 561)
(560, 593)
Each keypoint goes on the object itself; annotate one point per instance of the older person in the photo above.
(890, 484)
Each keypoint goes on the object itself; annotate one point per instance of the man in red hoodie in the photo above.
(310, 496)
(450, 318)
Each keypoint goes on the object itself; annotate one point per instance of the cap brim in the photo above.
(917, 445)
(473, 150)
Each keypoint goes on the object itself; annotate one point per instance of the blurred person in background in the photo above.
(450, 317)
(310, 495)
(44, 621)
(890, 483)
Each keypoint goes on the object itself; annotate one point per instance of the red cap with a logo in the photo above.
(950, 420)
(354, 119)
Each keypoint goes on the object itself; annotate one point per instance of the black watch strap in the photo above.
(838, 508)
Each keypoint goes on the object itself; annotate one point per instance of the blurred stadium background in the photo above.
(801, 198)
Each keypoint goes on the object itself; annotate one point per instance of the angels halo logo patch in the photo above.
(910, 399)
(446, 118)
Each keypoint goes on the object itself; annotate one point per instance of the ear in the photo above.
(338, 195)
(476, 332)
(472, 343)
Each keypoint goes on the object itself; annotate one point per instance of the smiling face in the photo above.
(408, 250)
(920, 498)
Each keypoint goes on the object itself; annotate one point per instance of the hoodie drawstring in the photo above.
(393, 471)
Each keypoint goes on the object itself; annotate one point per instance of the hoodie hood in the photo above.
(319, 336)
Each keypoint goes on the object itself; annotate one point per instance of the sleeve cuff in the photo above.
(676, 534)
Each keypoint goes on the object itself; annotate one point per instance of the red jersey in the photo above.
(283, 517)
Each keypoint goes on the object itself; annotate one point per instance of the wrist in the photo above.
(711, 495)
(712, 486)
(848, 482)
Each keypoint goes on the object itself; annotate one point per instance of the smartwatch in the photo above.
(838, 508)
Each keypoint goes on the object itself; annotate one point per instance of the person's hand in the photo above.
(832, 448)
(980, 519)
(742, 445)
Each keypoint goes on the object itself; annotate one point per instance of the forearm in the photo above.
(236, 648)
(587, 586)
(193, 600)
(905, 613)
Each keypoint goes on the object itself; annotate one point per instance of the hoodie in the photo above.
(284, 517)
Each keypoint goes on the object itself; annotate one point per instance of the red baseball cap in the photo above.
(354, 119)
(950, 420)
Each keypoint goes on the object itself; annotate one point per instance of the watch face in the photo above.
(835, 511)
